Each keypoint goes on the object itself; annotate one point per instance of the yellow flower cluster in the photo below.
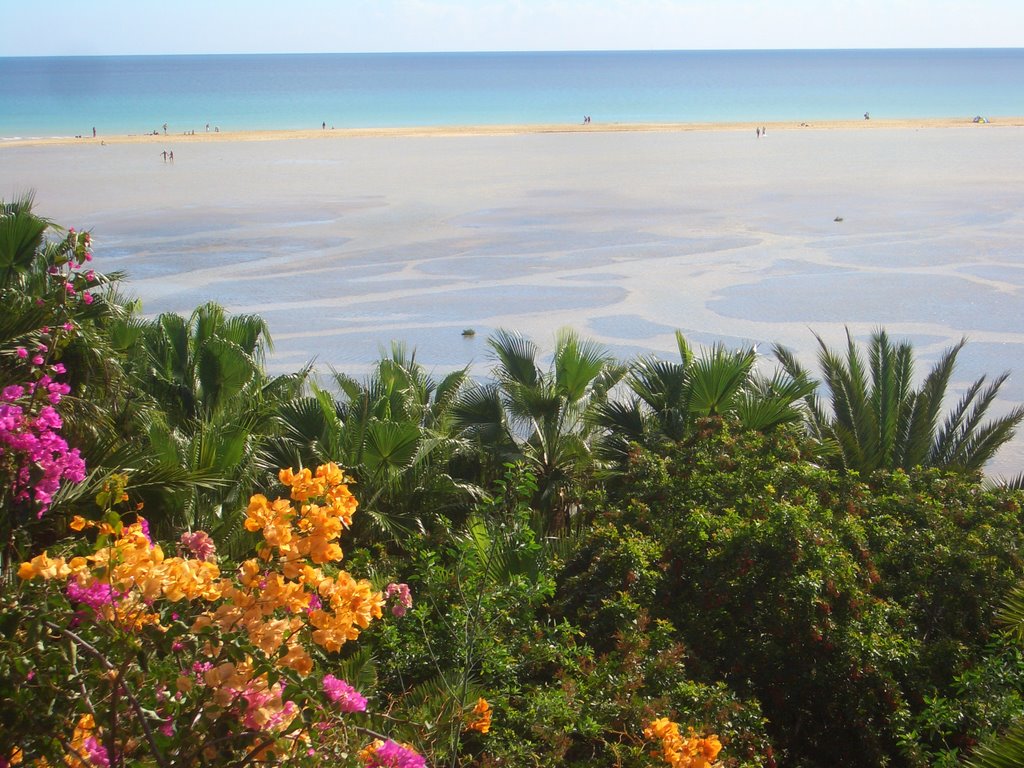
(336, 607)
(691, 752)
(481, 717)
(312, 530)
(134, 572)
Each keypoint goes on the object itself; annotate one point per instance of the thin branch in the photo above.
(93, 651)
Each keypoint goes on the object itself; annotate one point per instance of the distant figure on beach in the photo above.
(867, 116)
(207, 127)
(764, 131)
(165, 129)
(170, 155)
(164, 153)
(94, 131)
(323, 126)
(758, 131)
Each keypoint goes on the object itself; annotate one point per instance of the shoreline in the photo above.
(514, 130)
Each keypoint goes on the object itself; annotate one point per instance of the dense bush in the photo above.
(842, 605)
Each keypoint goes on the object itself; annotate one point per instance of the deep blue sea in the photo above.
(67, 96)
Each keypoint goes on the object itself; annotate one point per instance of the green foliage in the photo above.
(670, 399)
(840, 606)
(544, 417)
(879, 421)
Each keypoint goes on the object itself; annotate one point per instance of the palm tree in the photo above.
(393, 432)
(217, 408)
(668, 398)
(542, 417)
(878, 420)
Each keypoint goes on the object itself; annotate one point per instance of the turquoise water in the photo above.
(67, 96)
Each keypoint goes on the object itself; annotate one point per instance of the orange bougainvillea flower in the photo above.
(44, 567)
(481, 717)
(691, 752)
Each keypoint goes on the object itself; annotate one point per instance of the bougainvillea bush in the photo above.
(116, 652)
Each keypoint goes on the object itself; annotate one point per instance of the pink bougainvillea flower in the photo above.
(199, 544)
(96, 595)
(390, 754)
(403, 595)
(344, 695)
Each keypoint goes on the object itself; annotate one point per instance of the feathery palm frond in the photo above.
(879, 420)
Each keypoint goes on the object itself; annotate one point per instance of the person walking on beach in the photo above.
(164, 153)
(758, 131)
(165, 129)
(94, 131)
(323, 126)
(170, 155)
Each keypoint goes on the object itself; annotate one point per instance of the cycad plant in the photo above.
(877, 419)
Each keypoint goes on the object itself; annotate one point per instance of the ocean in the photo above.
(69, 96)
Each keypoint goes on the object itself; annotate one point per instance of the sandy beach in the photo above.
(216, 135)
(347, 239)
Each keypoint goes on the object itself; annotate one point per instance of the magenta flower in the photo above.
(96, 595)
(404, 601)
(22, 353)
(39, 456)
(314, 603)
(199, 544)
(13, 392)
(96, 753)
(144, 526)
(393, 755)
(344, 695)
(87, 297)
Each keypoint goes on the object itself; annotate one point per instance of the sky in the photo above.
(109, 27)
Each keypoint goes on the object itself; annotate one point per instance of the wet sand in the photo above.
(625, 233)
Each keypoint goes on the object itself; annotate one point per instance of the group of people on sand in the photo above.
(586, 119)
(168, 155)
(761, 131)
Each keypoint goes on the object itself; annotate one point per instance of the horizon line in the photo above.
(512, 51)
